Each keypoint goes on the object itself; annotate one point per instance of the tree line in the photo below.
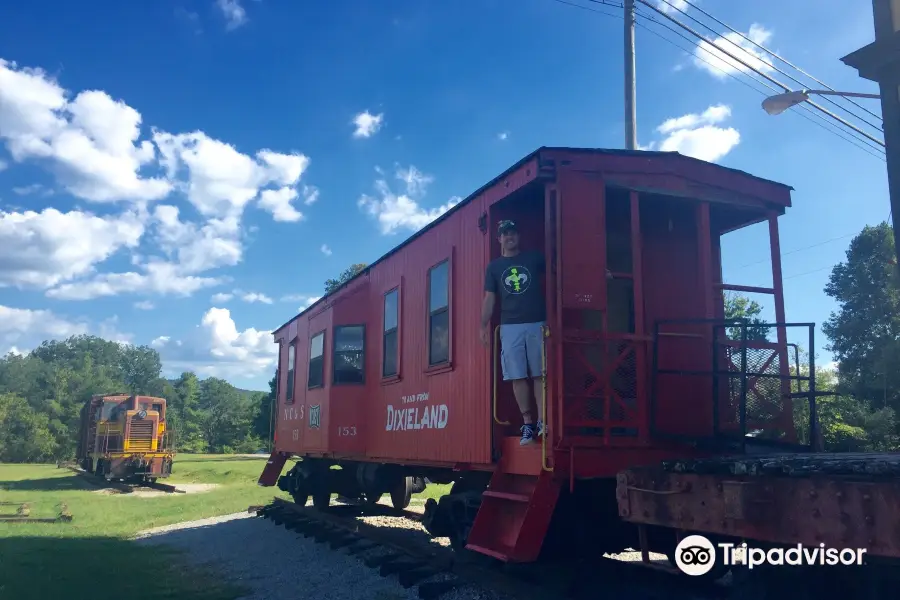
(41, 393)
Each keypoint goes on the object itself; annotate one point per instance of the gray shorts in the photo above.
(520, 350)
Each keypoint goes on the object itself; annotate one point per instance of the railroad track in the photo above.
(437, 570)
(122, 486)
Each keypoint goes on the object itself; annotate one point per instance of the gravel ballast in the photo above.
(274, 562)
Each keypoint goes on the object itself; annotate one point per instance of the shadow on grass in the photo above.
(101, 568)
(48, 484)
(179, 459)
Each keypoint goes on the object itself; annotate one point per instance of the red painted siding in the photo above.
(377, 418)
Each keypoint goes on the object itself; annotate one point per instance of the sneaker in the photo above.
(527, 435)
(540, 428)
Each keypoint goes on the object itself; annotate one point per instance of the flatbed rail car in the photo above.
(124, 437)
(384, 383)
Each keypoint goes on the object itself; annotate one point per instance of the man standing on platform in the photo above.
(515, 278)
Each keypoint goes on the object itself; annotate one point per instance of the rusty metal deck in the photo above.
(840, 500)
(851, 464)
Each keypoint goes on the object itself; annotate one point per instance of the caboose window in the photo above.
(292, 358)
(316, 361)
(390, 347)
(439, 314)
(349, 354)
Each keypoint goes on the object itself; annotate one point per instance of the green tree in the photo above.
(263, 423)
(349, 273)
(140, 367)
(738, 306)
(864, 333)
(26, 434)
(189, 433)
(227, 417)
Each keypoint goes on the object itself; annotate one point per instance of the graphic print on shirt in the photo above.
(516, 279)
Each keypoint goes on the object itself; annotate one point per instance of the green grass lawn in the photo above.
(92, 557)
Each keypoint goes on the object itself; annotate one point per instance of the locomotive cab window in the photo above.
(349, 354)
(317, 361)
(292, 358)
(439, 314)
(390, 366)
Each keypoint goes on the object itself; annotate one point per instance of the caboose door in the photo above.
(596, 349)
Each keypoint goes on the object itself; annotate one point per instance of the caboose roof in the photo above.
(674, 156)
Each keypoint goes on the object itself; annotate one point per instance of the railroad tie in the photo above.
(433, 589)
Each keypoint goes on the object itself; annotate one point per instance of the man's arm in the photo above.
(487, 305)
(487, 308)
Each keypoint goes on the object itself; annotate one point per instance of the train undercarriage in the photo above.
(585, 521)
(129, 468)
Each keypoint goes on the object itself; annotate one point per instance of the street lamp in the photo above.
(777, 104)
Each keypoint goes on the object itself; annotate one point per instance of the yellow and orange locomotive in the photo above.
(124, 437)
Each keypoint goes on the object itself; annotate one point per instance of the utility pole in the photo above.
(880, 62)
(630, 108)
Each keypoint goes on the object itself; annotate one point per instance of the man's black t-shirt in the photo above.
(515, 279)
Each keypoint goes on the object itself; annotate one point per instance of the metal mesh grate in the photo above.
(600, 385)
(140, 438)
(768, 405)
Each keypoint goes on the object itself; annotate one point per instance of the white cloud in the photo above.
(325, 250)
(720, 65)
(306, 300)
(310, 194)
(198, 248)
(697, 135)
(278, 202)
(221, 180)
(108, 330)
(252, 297)
(249, 297)
(670, 6)
(394, 212)
(3, 165)
(23, 329)
(159, 278)
(234, 13)
(34, 188)
(51, 246)
(309, 302)
(16, 322)
(90, 142)
(367, 124)
(217, 348)
(502, 136)
(144, 305)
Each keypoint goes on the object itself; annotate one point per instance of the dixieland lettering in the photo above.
(417, 417)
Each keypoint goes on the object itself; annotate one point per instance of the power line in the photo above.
(794, 251)
(768, 64)
(821, 122)
(594, 10)
(785, 61)
(766, 76)
(813, 117)
(689, 52)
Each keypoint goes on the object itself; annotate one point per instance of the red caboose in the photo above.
(387, 378)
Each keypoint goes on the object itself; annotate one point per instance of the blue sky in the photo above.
(188, 173)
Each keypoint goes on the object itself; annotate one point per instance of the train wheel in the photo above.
(402, 493)
(300, 498)
(372, 500)
(321, 500)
